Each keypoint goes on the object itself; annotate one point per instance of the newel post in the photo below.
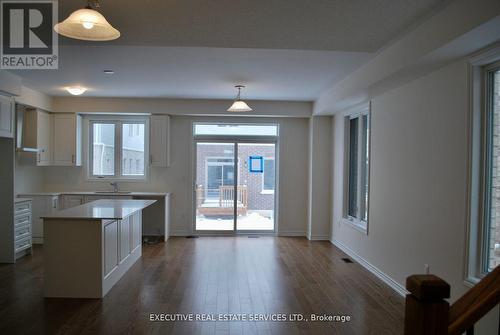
(426, 312)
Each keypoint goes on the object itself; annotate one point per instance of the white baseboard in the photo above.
(319, 238)
(373, 269)
(292, 233)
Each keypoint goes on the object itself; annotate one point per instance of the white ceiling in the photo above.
(281, 49)
(180, 72)
(343, 25)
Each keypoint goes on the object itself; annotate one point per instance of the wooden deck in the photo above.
(224, 204)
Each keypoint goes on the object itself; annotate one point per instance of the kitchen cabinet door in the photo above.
(136, 229)
(159, 141)
(110, 247)
(44, 138)
(125, 238)
(67, 139)
(7, 112)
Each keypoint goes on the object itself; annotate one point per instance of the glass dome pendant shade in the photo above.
(238, 104)
(87, 24)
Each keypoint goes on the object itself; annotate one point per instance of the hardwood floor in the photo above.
(211, 275)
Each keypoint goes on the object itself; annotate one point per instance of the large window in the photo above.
(491, 186)
(357, 163)
(483, 253)
(118, 148)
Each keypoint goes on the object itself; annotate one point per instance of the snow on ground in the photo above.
(251, 221)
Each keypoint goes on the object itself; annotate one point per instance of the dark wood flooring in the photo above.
(211, 275)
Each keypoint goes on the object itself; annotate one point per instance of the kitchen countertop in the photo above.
(16, 200)
(121, 193)
(101, 210)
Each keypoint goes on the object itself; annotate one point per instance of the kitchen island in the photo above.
(88, 248)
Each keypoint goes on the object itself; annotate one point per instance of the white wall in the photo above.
(27, 176)
(418, 181)
(178, 177)
(318, 223)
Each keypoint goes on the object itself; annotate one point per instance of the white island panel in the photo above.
(86, 255)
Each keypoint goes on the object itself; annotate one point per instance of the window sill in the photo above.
(267, 192)
(121, 180)
(361, 226)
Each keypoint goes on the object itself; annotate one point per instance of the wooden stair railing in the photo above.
(428, 313)
(475, 303)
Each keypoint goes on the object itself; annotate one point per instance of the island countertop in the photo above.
(101, 210)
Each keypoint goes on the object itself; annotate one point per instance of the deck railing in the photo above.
(226, 196)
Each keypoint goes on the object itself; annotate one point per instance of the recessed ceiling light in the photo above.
(108, 71)
(76, 90)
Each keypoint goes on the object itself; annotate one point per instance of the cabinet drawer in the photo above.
(22, 232)
(22, 221)
(22, 244)
(22, 208)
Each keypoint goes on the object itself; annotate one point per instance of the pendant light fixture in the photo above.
(87, 24)
(238, 104)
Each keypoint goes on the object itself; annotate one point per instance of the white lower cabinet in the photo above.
(125, 225)
(84, 257)
(69, 201)
(110, 247)
(41, 205)
(121, 238)
(136, 228)
(22, 227)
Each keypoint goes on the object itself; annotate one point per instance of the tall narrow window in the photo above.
(357, 146)
(491, 227)
(353, 167)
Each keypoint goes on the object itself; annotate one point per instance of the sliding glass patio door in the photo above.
(215, 177)
(234, 186)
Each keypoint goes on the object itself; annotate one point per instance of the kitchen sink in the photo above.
(112, 192)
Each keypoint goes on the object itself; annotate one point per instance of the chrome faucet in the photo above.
(115, 186)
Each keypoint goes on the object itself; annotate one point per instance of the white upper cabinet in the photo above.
(7, 112)
(67, 142)
(38, 134)
(44, 138)
(159, 141)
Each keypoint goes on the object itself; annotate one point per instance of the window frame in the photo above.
(363, 171)
(487, 163)
(118, 121)
(263, 190)
(479, 130)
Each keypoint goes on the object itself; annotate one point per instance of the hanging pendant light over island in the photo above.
(238, 104)
(87, 24)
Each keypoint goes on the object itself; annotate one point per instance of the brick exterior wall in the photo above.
(254, 181)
